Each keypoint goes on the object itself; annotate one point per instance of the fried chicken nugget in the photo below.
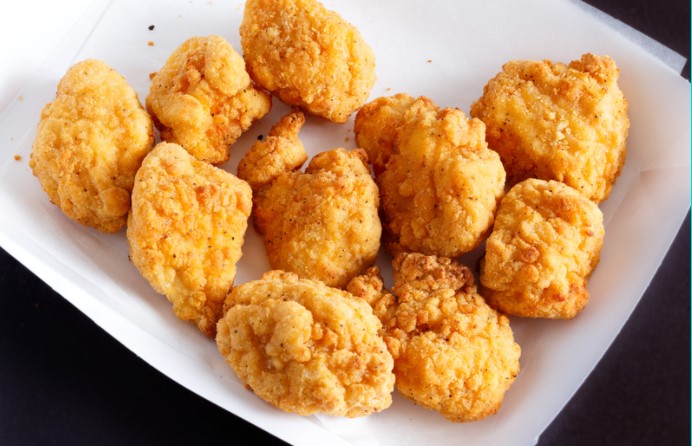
(308, 56)
(559, 122)
(321, 224)
(544, 246)
(89, 144)
(306, 348)
(186, 231)
(439, 182)
(452, 352)
(203, 99)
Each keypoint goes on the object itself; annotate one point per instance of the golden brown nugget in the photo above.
(544, 246)
(439, 182)
(306, 348)
(186, 231)
(308, 56)
(203, 99)
(452, 352)
(559, 122)
(89, 144)
(280, 152)
(321, 224)
(376, 127)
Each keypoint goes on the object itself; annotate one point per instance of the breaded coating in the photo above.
(559, 122)
(89, 144)
(377, 125)
(306, 348)
(281, 151)
(308, 56)
(452, 352)
(321, 224)
(439, 183)
(203, 99)
(544, 246)
(186, 231)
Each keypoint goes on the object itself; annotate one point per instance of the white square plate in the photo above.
(448, 53)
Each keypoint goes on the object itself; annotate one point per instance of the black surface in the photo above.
(63, 380)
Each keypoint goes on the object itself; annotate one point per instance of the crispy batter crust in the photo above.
(308, 56)
(89, 144)
(559, 122)
(186, 231)
(376, 127)
(452, 352)
(281, 151)
(440, 183)
(203, 99)
(306, 348)
(545, 243)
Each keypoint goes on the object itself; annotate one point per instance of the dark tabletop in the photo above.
(63, 380)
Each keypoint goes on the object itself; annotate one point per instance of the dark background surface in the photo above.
(63, 380)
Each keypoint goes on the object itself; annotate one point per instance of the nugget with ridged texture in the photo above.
(452, 352)
(186, 231)
(89, 144)
(439, 182)
(306, 348)
(203, 99)
(559, 122)
(308, 56)
(545, 244)
(321, 224)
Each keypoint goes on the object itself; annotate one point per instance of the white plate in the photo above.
(447, 53)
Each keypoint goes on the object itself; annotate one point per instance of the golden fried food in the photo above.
(439, 182)
(321, 224)
(89, 144)
(280, 152)
(203, 99)
(306, 348)
(544, 246)
(377, 125)
(559, 122)
(452, 352)
(186, 231)
(308, 56)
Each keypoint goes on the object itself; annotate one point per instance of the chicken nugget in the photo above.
(544, 246)
(186, 231)
(377, 125)
(321, 224)
(308, 56)
(439, 182)
(560, 122)
(452, 352)
(280, 152)
(203, 99)
(89, 144)
(306, 348)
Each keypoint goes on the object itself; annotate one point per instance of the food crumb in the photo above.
(347, 139)
(429, 60)
(20, 98)
(388, 89)
(151, 27)
(18, 157)
(152, 74)
(150, 43)
(260, 137)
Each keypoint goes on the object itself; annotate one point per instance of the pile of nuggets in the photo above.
(522, 178)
